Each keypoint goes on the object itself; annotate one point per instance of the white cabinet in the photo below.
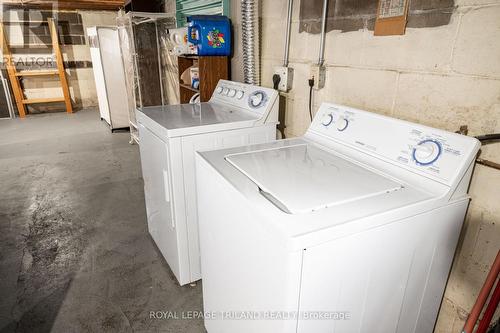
(109, 76)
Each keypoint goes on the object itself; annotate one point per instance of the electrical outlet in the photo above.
(286, 78)
(318, 73)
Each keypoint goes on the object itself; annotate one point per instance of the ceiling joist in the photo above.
(66, 4)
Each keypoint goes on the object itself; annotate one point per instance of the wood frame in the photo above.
(14, 75)
(11, 70)
(60, 65)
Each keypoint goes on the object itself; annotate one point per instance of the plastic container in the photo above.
(211, 34)
(179, 39)
(195, 77)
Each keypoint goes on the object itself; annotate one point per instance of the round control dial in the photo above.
(239, 94)
(257, 99)
(219, 89)
(341, 123)
(327, 119)
(231, 93)
(427, 152)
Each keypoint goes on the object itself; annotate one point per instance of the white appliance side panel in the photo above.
(157, 189)
(211, 141)
(114, 77)
(246, 271)
(102, 98)
(394, 288)
(183, 271)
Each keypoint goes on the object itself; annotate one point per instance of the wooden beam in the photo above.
(38, 73)
(11, 70)
(60, 65)
(67, 4)
(43, 100)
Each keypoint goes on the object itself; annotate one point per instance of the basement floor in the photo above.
(75, 253)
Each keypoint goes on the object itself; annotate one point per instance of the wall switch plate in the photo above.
(318, 73)
(286, 78)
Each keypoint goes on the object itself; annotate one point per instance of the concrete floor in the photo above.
(75, 254)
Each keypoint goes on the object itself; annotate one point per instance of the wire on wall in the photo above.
(311, 84)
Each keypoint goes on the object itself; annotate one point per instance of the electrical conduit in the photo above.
(321, 57)
(250, 40)
(287, 33)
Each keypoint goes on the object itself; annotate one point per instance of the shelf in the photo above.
(40, 45)
(38, 73)
(189, 56)
(185, 86)
(43, 100)
(211, 69)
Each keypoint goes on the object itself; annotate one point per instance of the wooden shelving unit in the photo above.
(211, 70)
(188, 87)
(15, 76)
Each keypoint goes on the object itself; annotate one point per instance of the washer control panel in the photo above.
(252, 98)
(335, 120)
(430, 151)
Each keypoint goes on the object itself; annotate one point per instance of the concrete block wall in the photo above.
(80, 77)
(443, 76)
(81, 80)
(170, 6)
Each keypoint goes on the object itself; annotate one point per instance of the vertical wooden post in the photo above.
(11, 70)
(60, 65)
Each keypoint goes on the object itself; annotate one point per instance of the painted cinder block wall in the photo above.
(443, 76)
(82, 79)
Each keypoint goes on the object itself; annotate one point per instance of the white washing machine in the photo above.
(237, 114)
(351, 228)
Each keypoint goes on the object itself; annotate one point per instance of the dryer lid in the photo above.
(195, 115)
(304, 178)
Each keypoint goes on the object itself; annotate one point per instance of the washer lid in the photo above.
(303, 178)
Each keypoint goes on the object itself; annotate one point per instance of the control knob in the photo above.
(327, 119)
(427, 152)
(341, 123)
(257, 99)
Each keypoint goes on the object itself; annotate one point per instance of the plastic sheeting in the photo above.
(151, 71)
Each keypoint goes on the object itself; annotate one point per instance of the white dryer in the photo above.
(351, 228)
(237, 114)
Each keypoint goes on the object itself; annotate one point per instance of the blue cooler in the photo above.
(211, 34)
